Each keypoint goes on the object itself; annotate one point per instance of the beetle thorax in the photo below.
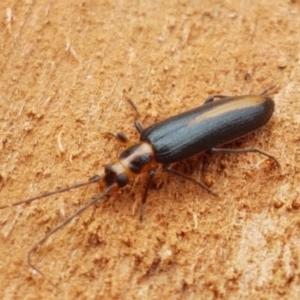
(135, 159)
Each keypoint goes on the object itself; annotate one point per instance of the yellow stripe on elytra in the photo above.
(235, 104)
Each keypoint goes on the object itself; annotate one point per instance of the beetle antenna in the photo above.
(64, 223)
(93, 179)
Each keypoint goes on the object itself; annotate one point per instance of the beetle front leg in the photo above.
(137, 124)
(121, 137)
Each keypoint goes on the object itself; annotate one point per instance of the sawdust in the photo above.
(67, 71)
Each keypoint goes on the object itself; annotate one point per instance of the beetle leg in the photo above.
(228, 150)
(189, 178)
(121, 137)
(137, 114)
(213, 97)
(137, 124)
(268, 89)
(144, 199)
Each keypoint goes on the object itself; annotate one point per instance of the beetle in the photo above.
(171, 140)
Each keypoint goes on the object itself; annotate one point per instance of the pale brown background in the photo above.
(67, 70)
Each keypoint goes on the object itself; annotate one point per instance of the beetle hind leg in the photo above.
(228, 150)
(267, 90)
(214, 97)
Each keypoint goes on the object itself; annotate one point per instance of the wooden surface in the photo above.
(67, 71)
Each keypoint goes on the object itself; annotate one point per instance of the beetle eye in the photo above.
(122, 180)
